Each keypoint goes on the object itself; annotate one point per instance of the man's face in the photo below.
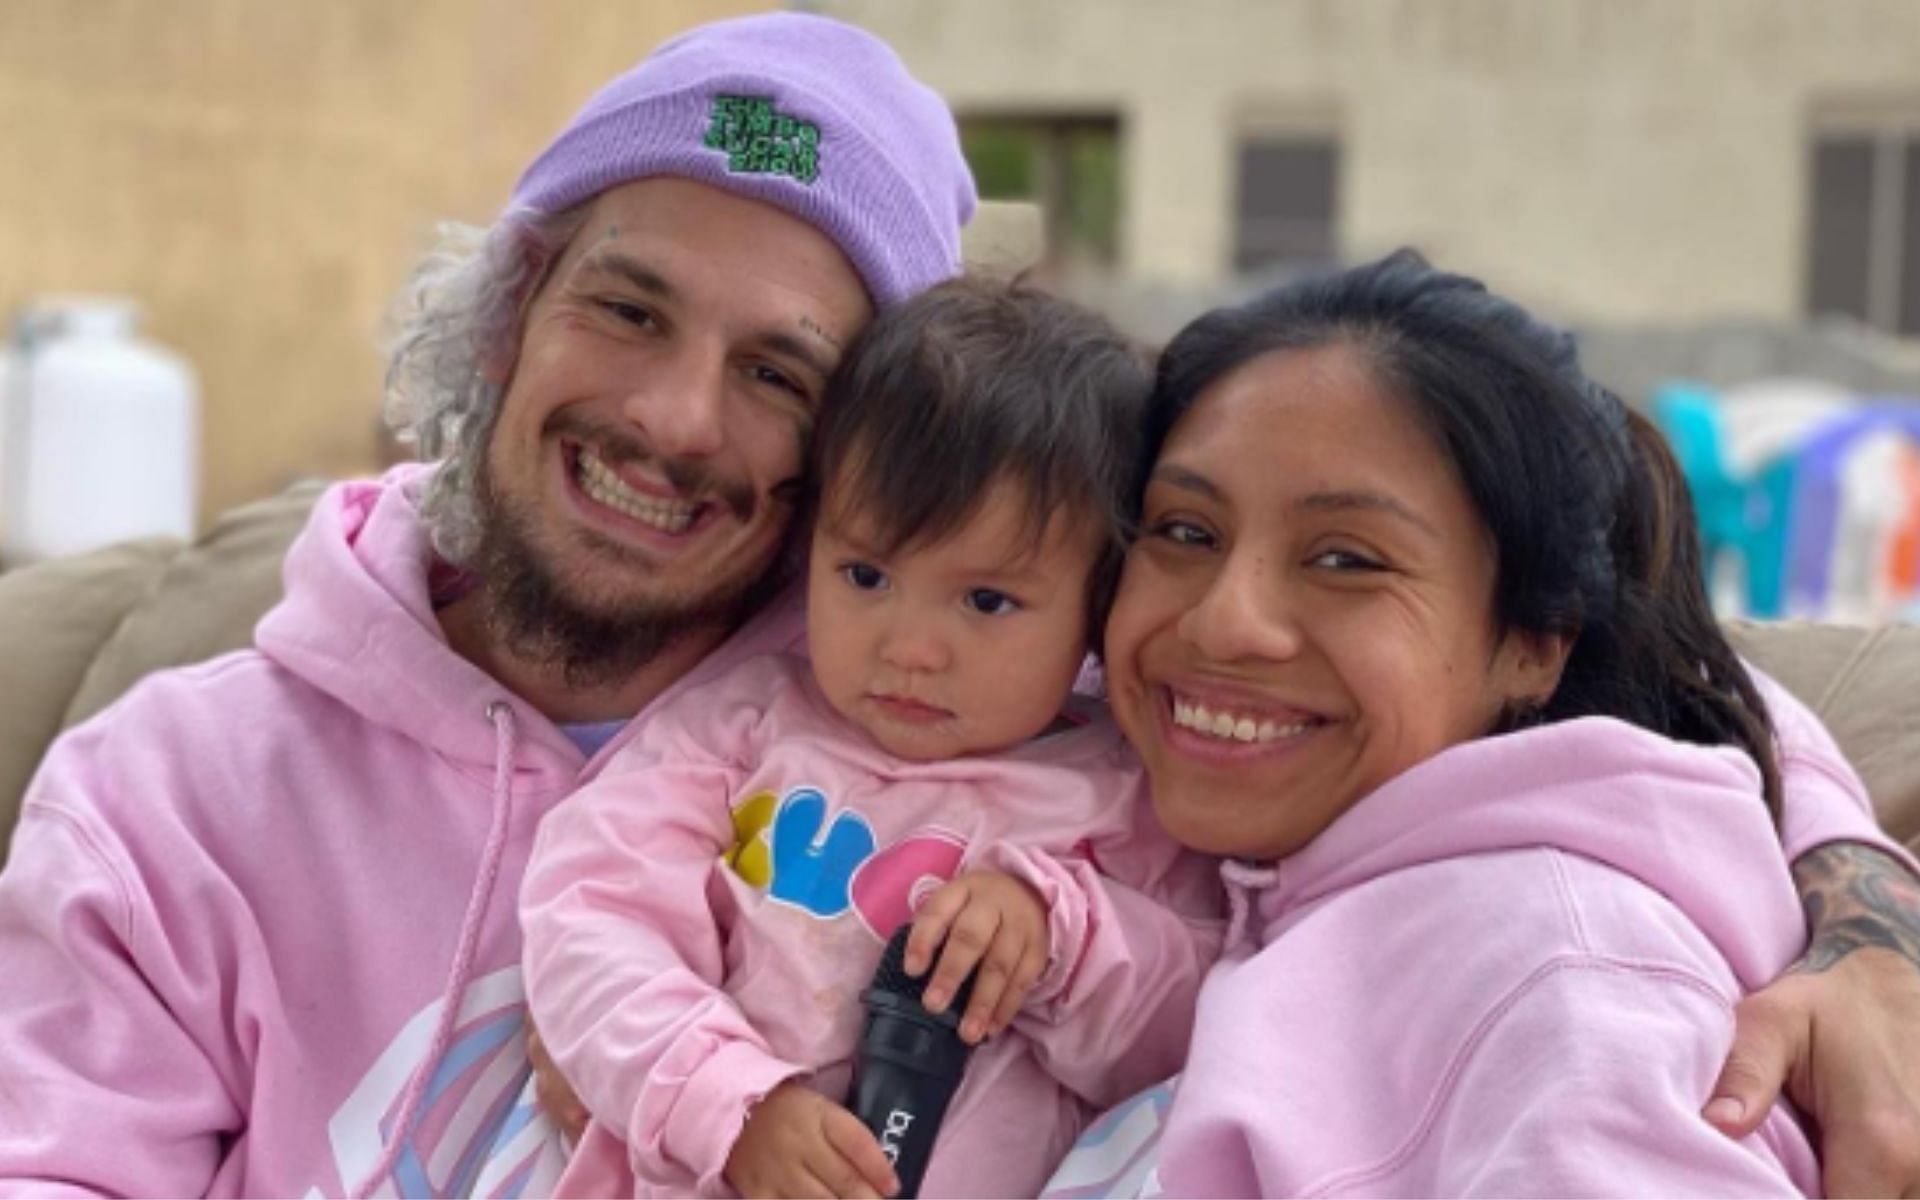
(641, 476)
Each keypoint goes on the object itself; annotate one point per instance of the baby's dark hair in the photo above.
(976, 382)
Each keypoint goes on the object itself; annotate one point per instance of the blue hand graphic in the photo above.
(809, 871)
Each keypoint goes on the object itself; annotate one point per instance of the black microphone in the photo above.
(908, 1063)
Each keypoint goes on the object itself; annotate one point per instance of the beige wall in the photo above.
(1610, 159)
(260, 174)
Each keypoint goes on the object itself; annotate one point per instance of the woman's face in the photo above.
(1307, 612)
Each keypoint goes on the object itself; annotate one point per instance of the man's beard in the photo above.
(530, 608)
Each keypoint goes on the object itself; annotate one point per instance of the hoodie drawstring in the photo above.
(500, 713)
(1242, 880)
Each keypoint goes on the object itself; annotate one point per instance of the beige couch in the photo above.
(76, 633)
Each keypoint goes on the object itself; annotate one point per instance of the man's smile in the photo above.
(604, 486)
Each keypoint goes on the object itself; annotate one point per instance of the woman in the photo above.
(1414, 637)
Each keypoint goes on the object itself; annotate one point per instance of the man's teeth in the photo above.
(1229, 726)
(598, 481)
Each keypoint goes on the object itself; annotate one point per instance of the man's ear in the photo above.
(497, 366)
(1531, 664)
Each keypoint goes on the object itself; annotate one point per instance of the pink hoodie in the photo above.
(1511, 971)
(239, 900)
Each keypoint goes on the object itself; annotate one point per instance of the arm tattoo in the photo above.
(1855, 897)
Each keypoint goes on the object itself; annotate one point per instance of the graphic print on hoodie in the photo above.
(785, 845)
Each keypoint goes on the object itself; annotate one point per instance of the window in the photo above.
(1864, 258)
(1287, 201)
(1069, 165)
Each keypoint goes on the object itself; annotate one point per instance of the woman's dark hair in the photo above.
(1590, 517)
(977, 382)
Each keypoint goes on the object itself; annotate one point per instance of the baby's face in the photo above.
(962, 646)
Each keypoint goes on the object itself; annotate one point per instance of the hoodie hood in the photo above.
(1687, 821)
(358, 623)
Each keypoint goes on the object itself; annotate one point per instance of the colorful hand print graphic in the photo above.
(751, 857)
(788, 848)
(888, 888)
(811, 870)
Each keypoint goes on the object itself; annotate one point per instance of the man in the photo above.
(258, 919)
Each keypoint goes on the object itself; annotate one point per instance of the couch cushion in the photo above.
(1864, 684)
(54, 617)
(206, 601)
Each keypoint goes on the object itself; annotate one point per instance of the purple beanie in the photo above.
(805, 113)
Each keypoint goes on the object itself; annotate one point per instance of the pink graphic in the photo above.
(888, 887)
(479, 1132)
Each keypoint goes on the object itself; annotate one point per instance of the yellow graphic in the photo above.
(751, 857)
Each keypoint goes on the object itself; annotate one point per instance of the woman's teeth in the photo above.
(599, 482)
(1229, 726)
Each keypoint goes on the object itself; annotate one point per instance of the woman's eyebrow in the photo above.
(1192, 481)
(1367, 502)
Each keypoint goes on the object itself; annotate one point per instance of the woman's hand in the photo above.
(797, 1142)
(1841, 1030)
(553, 1092)
(986, 919)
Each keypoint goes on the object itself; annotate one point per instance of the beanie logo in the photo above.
(758, 139)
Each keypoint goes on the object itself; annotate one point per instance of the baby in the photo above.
(701, 920)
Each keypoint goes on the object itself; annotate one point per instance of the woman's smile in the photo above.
(1205, 723)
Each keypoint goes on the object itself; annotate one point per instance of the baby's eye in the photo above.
(864, 576)
(992, 603)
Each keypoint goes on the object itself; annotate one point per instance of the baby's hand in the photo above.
(986, 919)
(551, 1089)
(797, 1142)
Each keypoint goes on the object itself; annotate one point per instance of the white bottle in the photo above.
(102, 433)
(7, 387)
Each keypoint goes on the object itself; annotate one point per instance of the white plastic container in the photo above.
(7, 359)
(102, 433)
